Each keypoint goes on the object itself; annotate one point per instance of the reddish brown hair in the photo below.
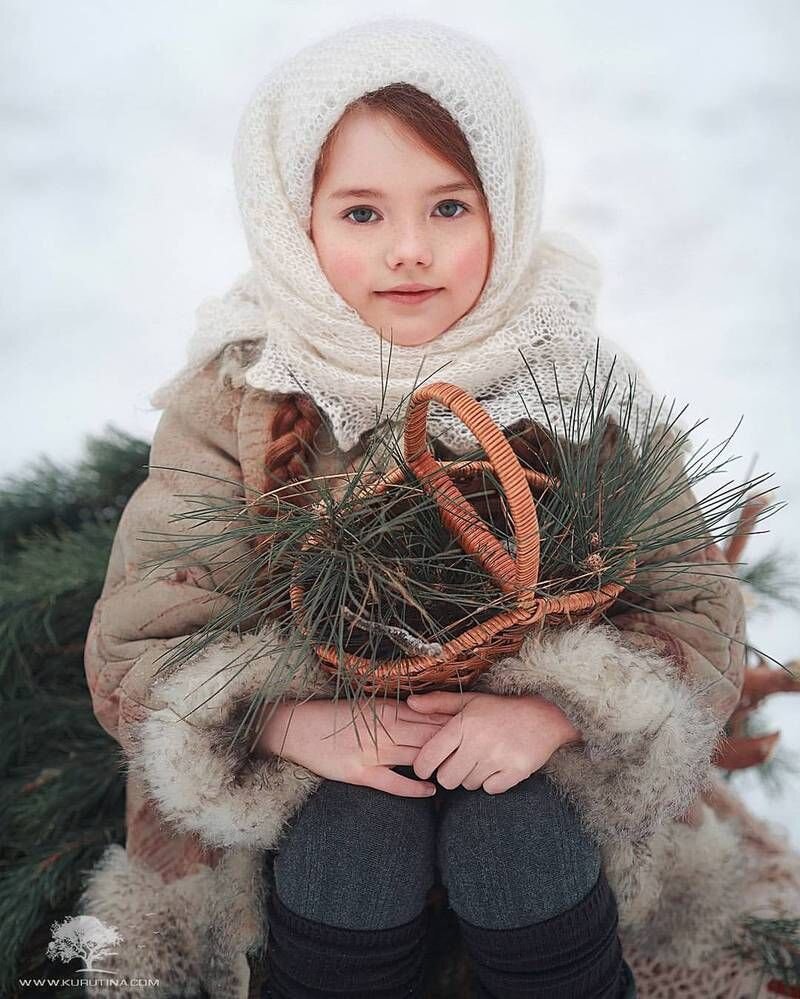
(297, 420)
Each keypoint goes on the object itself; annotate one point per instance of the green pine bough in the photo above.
(62, 788)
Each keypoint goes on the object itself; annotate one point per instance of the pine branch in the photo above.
(771, 580)
(48, 494)
(46, 591)
(62, 795)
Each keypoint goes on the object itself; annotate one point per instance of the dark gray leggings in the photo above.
(359, 858)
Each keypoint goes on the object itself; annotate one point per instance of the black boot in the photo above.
(310, 960)
(575, 955)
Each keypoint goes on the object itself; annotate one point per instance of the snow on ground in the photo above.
(671, 142)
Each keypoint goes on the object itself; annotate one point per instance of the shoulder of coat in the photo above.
(221, 388)
(233, 361)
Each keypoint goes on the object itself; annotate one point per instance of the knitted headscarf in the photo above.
(540, 295)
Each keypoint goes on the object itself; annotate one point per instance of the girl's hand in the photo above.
(390, 734)
(491, 741)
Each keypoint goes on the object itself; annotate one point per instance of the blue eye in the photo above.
(368, 211)
(458, 204)
(360, 209)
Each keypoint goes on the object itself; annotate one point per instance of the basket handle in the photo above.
(458, 514)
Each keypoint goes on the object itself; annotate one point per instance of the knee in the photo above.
(515, 858)
(354, 813)
(351, 824)
(531, 814)
(357, 857)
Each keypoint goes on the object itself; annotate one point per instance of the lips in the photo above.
(409, 297)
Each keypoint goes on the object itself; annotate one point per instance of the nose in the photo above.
(409, 244)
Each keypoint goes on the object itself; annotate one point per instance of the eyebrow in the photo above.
(368, 192)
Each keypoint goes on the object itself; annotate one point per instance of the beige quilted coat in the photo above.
(650, 695)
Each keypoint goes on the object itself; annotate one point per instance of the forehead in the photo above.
(372, 147)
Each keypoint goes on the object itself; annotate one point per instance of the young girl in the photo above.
(390, 184)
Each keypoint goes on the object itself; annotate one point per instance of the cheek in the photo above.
(350, 267)
(343, 265)
(470, 263)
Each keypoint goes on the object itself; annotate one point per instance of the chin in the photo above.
(407, 338)
(410, 340)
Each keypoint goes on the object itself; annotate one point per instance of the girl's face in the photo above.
(387, 212)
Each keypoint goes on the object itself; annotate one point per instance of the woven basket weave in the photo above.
(466, 656)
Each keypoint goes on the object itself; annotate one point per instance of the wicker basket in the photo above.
(466, 656)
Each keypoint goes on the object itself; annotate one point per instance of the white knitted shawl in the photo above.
(539, 299)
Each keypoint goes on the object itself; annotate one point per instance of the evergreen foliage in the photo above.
(62, 791)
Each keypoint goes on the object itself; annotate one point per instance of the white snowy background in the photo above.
(671, 135)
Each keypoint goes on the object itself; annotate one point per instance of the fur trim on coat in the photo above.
(696, 892)
(203, 778)
(192, 933)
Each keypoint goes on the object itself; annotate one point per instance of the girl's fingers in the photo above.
(478, 775)
(436, 750)
(439, 715)
(501, 782)
(402, 734)
(456, 769)
(403, 712)
(420, 733)
(411, 729)
(389, 754)
(450, 702)
(393, 756)
(384, 779)
(431, 719)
